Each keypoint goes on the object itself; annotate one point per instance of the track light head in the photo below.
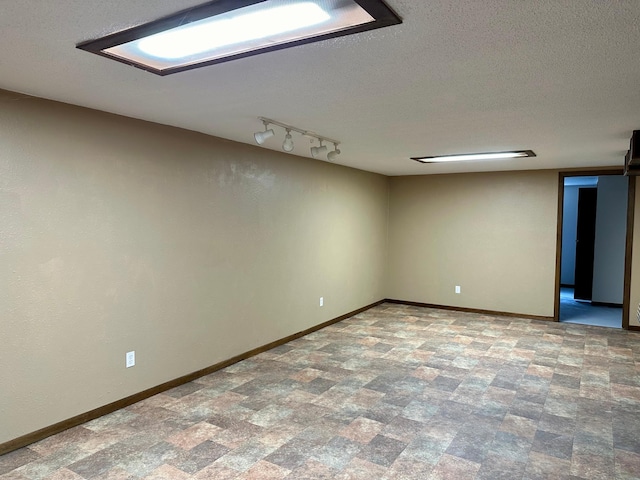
(262, 137)
(287, 145)
(331, 156)
(317, 151)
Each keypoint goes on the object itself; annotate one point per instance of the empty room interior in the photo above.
(349, 247)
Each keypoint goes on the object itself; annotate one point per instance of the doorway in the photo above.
(592, 264)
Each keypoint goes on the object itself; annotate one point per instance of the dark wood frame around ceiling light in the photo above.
(433, 159)
(383, 16)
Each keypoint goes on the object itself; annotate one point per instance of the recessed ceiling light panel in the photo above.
(467, 157)
(225, 30)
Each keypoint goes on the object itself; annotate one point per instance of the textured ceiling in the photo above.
(559, 77)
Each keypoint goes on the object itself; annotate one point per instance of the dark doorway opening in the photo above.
(585, 242)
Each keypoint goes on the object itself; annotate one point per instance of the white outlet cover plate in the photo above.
(130, 359)
(321, 301)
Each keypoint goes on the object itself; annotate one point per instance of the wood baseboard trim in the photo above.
(470, 310)
(634, 328)
(606, 304)
(45, 432)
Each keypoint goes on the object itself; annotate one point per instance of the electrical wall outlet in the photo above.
(130, 359)
(457, 288)
(322, 301)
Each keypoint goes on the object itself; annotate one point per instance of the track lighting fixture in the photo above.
(331, 156)
(317, 151)
(287, 144)
(262, 137)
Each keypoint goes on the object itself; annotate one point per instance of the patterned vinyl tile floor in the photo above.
(396, 392)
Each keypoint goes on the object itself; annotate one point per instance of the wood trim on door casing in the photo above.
(629, 238)
(560, 214)
(469, 310)
(626, 298)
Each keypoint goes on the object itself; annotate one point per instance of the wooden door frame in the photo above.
(626, 298)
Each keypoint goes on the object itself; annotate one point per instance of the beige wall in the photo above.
(119, 235)
(494, 234)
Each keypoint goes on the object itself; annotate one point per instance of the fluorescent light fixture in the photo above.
(224, 30)
(215, 33)
(466, 157)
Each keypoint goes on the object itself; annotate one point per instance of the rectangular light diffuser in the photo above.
(225, 30)
(467, 157)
